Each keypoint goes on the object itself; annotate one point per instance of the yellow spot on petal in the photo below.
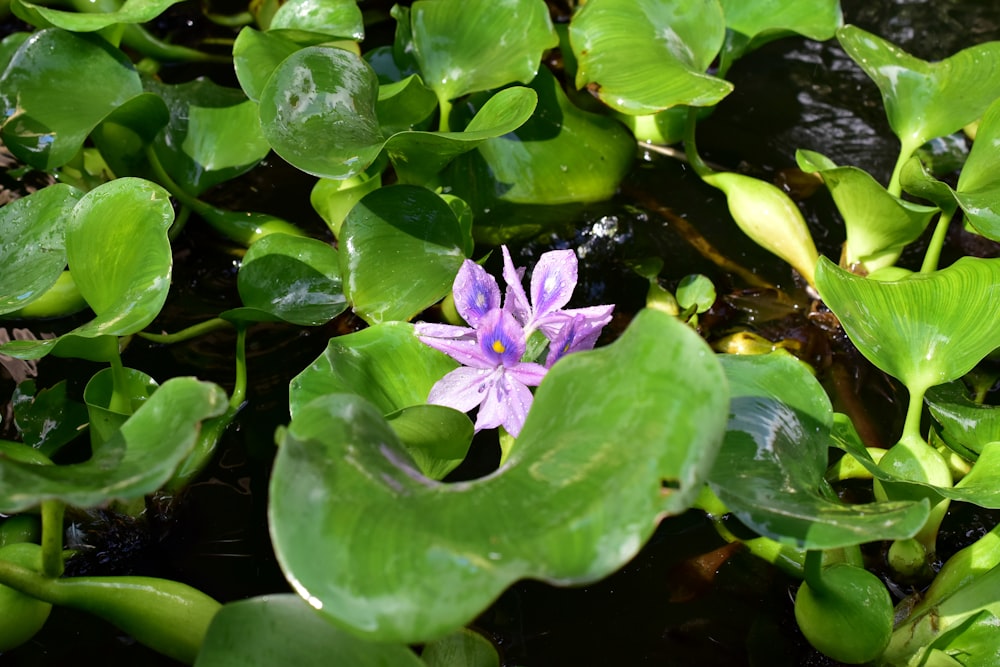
(498, 347)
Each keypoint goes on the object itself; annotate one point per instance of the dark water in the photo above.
(687, 598)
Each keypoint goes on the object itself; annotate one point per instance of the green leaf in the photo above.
(394, 556)
(965, 425)
(256, 55)
(48, 419)
(318, 111)
(908, 328)
(437, 437)
(464, 47)
(404, 104)
(120, 257)
(750, 25)
(289, 278)
(924, 100)
(385, 364)
(213, 136)
(130, 11)
(561, 154)
(334, 18)
(32, 244)
(769, 472)
(463, 648)
(334, 199)
(978, 189)
(112, 397)
(879, 225)
(401, 248)
(644, 56)
(695, 292)
(51, 67)
(283, 629)
(135, 462)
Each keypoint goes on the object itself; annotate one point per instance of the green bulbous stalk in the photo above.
(60, 300)
(961, 569)
(844, 611)
(22, 615)
(167, 616)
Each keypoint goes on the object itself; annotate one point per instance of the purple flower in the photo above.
(493, 376)
(552, 283)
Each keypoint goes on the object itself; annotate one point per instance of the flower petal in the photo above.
(527, 373)
(464, 349)
(552, 281)
(476, 292)
(515, 301)
(501, 338)
(463, 388)
(516, 399)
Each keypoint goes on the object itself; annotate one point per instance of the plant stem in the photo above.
(193, 331)
(120, 401)
(814, 571)
(691, 148)
(52, 534)
(444, 106)
(906, 151)
(933, 254)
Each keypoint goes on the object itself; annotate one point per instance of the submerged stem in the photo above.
(691, 148)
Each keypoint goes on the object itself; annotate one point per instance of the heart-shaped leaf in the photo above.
(769, 472)
(51, 67)
(924, 100)
(334, 18)
(318, 111)
(213, 136)
(560, 155)
(135, 462)
(32, 245)
(120, 257)
(401, 248)
(385, 364)
(264, 631)
(978, 189)
(89, 20)
(48, 419)
(112, 396)
(879, 224)
(924, 330)
(256, 55)
(289, 278)
(643, 56)
(463, 47)
(661, 391)
(965, 425)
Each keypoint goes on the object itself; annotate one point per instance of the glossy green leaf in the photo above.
(769, 472)
(51, 67)
(334, 199)
(978, 189)
(124, 134)
(47, 419)
(401, 248)
(334, 18)
(397, 557)
(289, 278)
(318, 111)
(118, 251)
(112, 397)
(385, 364)
(752, 24)
(879, 225)
(213, 136)
(966, 425)
(404, 104)
(135, 462)
(644, 56)
(284, 629)
(924, 100)
(464, 47)
(695, 292)
(32, 245)
(924, 330)
(561, 154)
(917, 179)
(256, 55)
(437, 437)
(130, 11)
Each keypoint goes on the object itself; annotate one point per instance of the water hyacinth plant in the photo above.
(657, 383)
